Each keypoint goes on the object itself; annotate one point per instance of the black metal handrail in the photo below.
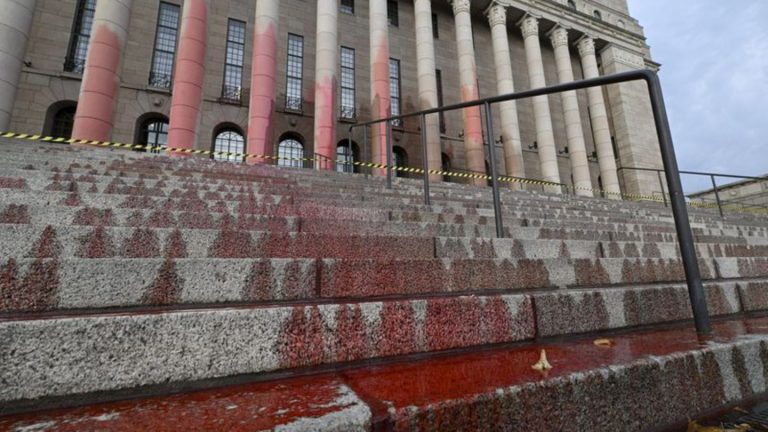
(718, 201)
(664, 134)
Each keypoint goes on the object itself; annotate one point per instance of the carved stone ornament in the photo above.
(530, 27)
(559, 37)
(586, 46)
(460, 6)
(497, 15)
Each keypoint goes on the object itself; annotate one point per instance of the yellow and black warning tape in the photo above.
(373, 165)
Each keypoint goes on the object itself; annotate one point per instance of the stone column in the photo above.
(103, 67)
(544, 132)
(634, 127)
(380, 97)
(15, 25)
(189, 76)
(577, 148)
(505, 84)
(326, 77)
(263, 79)
(599, 116)
(425, 55)
(473, 124)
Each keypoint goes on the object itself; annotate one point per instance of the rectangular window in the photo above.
(232, 89)
(81, 35)
(435, 32)
(161, 75)
(347, 100)
(394, 90)
(392, 13)
(440, 103)
(294, 72)
(347, 6)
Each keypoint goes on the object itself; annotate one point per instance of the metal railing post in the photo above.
(494, 173)
(425, 160)
(389, 154)
(679, 210)
(366, 152)
(661, 185)
(351, 155)
(717, 196)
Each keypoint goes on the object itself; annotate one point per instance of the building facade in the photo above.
(745, 193)
(289, 77)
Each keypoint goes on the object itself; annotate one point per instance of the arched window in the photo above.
(229, 141)
(446, 167)
(598, 15)
(345, 157)
(572, 4)
(153, 132)
(401, 160)
(290, 151)
(60, 119)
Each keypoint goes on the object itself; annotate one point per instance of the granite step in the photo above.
(590, 387)
(76, 354)
(45, 284)
(227, 242)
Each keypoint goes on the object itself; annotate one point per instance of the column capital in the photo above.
(497, 15)
(559, 36)
(529, 25)
(460, 6)
(586, 46)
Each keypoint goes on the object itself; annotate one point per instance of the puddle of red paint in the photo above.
(399, 385)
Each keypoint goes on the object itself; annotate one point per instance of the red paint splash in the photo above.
(350, 341)
(36, 291)
(143, 243)
(15, 214)
(397, 331)
(13, 183)
(175, 246)
(97, 244)
(166, 288)
(302, 341)
(258, 284)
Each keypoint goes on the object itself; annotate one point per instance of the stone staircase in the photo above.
(125, 275)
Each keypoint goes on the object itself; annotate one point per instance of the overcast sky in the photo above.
(714, 56)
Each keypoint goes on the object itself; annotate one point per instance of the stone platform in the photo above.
(125, 274)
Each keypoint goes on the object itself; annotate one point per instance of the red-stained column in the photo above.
(325, 78)
(101, 77)
(380, 97)
(262, 103)
(189, 76)
(473, 129)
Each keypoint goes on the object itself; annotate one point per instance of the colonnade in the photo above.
(101, 79)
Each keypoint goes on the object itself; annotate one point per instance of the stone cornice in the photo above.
(553, 11)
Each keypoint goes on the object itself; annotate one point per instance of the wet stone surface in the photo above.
(643, 381)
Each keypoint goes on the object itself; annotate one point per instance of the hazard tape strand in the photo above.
(372, 165)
